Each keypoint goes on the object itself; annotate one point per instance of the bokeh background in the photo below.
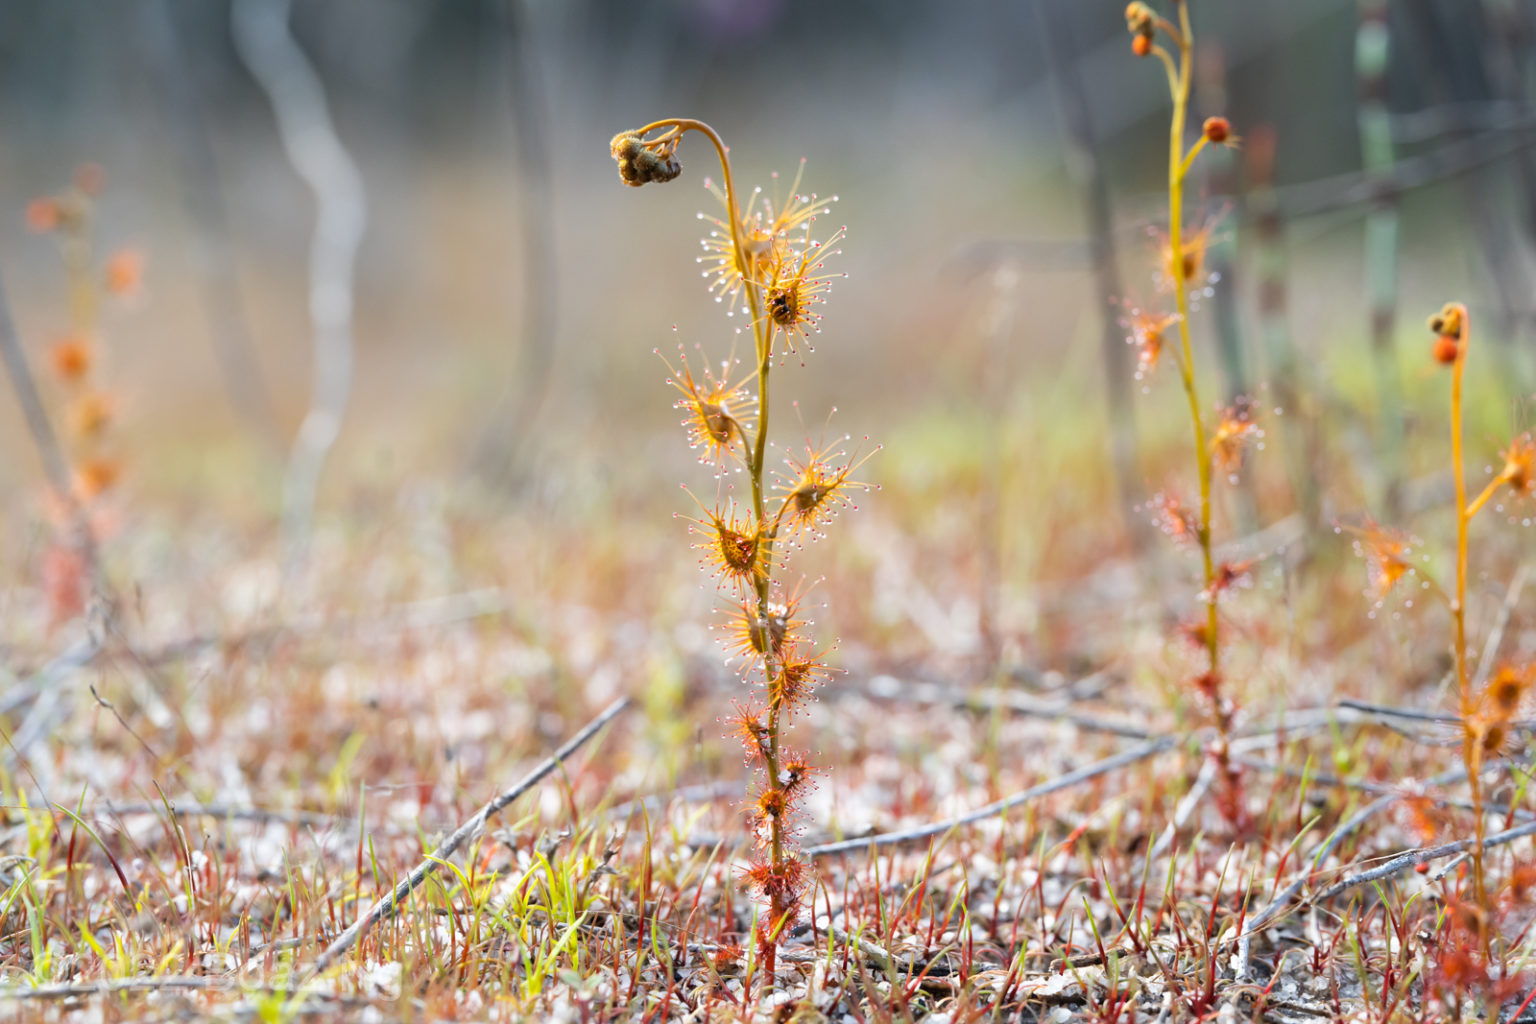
(510, 292)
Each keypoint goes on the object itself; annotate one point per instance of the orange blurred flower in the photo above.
(43, 215)
(1386, 552)
(1519, 470)
(96, 476)
(71, 357)
(125, 272)
(1235, 430)
(1147, 335)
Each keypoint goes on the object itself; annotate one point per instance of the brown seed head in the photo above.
(1447, 322)
(640, 163)
(1217, 130)
(1448, 325)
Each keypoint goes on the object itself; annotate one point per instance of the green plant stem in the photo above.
(1177, 166)
(1471, 744)
(763, 332)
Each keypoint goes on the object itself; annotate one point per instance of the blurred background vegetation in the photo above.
(510, 291)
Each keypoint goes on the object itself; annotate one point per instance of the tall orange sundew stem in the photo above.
(1179, 162)
(763, 332)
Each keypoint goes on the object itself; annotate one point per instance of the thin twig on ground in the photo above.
(1282, 900)
(386, 906)
(890, 688)
(1186, 807)
(1072, 778)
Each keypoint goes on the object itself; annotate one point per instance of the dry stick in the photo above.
(1356, 190)
(1413, 858)
(1382, 788)
(56, 467)
(1194, 798)
(1282, 899)
(74, 990)
(169, 982)
(889, 688)
(463, 834)
(227, 812)
(51, 675)
(298, 101)
(1072, 778)
(54, 463)
(198, 169)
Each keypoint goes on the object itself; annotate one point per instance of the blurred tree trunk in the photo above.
(1377, 154)
(1062, 56)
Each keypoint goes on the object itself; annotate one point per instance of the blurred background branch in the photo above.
(298, 102)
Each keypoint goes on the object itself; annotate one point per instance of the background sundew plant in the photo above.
(763, 261)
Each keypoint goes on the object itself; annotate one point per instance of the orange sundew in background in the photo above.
(97, 475)
(1191, 255)
(71, 358)
(1173, 517)
(43, 215)
(1519, 470)
(124, 272)
(1235, 430)
(1386, 552)
(1230, 575)
(1148, 335)
(64, 581)
(1218, 131)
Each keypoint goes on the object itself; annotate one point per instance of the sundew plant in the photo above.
(764, 262)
